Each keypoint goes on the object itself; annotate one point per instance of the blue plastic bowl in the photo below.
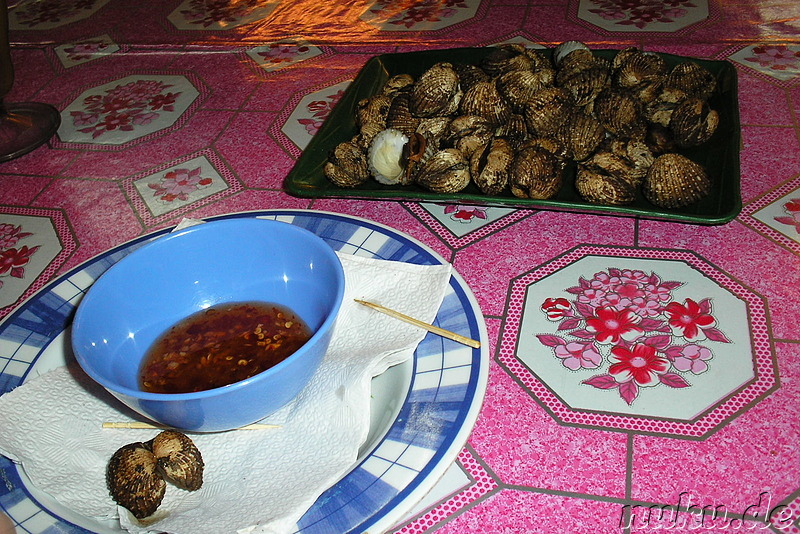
(166, 280)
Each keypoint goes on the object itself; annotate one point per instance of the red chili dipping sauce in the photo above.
(221, 345)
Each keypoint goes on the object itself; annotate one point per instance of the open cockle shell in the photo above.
(385, 156)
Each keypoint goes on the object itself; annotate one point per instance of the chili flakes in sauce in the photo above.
(221, 345)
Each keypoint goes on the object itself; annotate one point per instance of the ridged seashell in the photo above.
(620, 114)
(638, 156)
(659, 139)
(586, 84)
(693, 122)
(608, 163)
(469, 144)
(538, 60)
(578, 61)
(469, 75)
(535, 173)
(367, 133)
(347, 165)
(434, 127)
(659, 112)
(547, 110)
(564, 49)
(506, 57)
(373, 109)
(446, 171)
(436, 91)
(514, 130)
(597, 187)
(483, 99)
(133, 480)
(465, 125)
(583, 135)
(623, 55)
(178, 459)
(640, 68)
(385, 157)
(416, 152)
(556, 147)
(518, 86)
(691, 79)
(491, 168)
(675, 181)
(397, 84)
(400, 117)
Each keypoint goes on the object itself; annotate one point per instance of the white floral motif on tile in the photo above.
(126, 109)
(412, 15)
(219, 15)
(643, 15)
(79, 52)
(179, 186)
(49, 14)
(779, 61)
(283, 53)
(27, 246)
(311, 112)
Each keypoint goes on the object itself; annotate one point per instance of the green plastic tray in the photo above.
(720, 155)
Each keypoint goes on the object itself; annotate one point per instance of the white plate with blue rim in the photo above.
(422, 410)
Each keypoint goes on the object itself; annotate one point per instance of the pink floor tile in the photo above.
(20, 190)
(758, 450)
(588, 461)
(770, 156)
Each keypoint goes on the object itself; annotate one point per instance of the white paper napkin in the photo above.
(255, 480)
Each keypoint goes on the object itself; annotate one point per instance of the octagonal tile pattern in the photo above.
(283, 53)
(306, 116)
(50, 14)
(642, 16)
(410, 15)
(127, 109)
(776, 214)
(34, 243)
(638, 338)
(219, 16)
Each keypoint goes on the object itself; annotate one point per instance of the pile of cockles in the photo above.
(517, 119)
(137, 473)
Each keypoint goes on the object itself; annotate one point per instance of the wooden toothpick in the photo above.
(429, 327)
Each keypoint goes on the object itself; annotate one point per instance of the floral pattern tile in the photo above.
(460, 224)
(777, 214)
(411, 15)
(33, 245)
(219, 15)
(80, 52)
(283, 53)
(643, 15)
(50, 14)
(307, 116)
(180, 186)
(127, 109)
(661, 337)
(777, 61)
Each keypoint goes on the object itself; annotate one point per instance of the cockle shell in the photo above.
(598, 187)
(514, 130)
(469, 75)
(347, 165)
(490, 168)
(586, 84)
(583, 135)
(468, 133)
(133, 480)
(518, 86)
(690, 79)
(642, 73)
(385, 157)
(547, 110)
(506, 57)
(693, 122)
(446, 171)
(483, 99)
(434, 128)
(178, 459)
(535, 173)
(397, 84)
(399, 116)
(436, 91)
(373, 109)
(675, 181)
(562, 50)
(620, 113)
